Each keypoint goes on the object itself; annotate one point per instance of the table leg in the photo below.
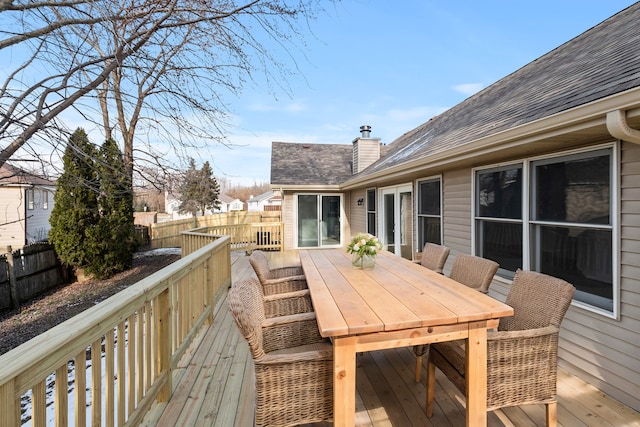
(344, 381)
(476, 378)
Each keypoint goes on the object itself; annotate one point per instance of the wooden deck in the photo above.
(213, 386)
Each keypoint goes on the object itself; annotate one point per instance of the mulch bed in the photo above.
(64, 302)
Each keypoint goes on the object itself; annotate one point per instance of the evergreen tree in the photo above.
(112, 241)
(199, 190)
(75, 210)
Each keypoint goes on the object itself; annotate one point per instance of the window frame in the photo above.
(418, 244)
(319, 196)
(529, 248)
(31, 198)
(371, 210)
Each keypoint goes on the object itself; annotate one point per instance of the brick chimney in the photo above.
(366, 150)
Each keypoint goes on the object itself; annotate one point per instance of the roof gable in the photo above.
(310, 164)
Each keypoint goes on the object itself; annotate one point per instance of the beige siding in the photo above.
(365, 152)
(606, 352)
(355, 216)
(456, 210)
(288, 217)
(12, 208)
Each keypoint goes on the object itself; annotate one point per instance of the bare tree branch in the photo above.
(154, 73)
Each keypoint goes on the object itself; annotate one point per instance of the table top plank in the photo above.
(391, 311)
(397, 294)
(330, 321)
(467, 304)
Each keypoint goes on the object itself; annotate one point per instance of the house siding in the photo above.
(355, 217)
(38, 218)
(288, 217)
(456, 210)
(12, 232)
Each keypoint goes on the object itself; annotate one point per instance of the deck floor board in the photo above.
(214, 386)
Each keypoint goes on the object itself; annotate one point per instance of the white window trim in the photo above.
(526, 218)
(366, 206)
(417, 195)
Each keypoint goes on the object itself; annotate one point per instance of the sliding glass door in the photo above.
(318, 223)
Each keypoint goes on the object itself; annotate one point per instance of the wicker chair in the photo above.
(285, 303)
(522, 355)
(473, 271)
(277, 280)
(434, 257)
(293, 364)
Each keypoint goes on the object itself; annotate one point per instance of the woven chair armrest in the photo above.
(527, 333)
(293, 318)
(287, 303)
(278, 272)
(283, 285)
(304, 356)
(285, 279)
(287, 335)
(294, 294)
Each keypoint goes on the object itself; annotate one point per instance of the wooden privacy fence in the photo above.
(168, 234)
(117, 356)
(28, 272)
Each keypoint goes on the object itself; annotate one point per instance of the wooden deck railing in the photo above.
(117, 356)
(246, 237)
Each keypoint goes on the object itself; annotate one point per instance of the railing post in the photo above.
(10, 414)
(163, 364)
(13, 286)
(281, 226)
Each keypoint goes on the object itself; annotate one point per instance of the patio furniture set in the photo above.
(304, 325)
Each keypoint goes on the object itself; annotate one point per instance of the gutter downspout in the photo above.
(619, 129)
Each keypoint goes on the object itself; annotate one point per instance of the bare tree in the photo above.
(152, 73)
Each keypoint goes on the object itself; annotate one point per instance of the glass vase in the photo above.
(364, 261)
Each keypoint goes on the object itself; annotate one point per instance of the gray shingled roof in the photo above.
(10, 174)
(602, 61)
(310, 164)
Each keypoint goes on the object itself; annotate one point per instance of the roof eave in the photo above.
(586, 115)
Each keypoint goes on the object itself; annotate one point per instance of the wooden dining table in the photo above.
(397, 304)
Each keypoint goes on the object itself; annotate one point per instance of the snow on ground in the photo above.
(159, 251)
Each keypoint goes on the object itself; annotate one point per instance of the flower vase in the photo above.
(363, 261)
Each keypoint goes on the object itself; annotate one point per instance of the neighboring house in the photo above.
(539, 171)
(268, 201)
(228, 204)
(26, 201)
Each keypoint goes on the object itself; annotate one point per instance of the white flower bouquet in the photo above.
(364, 248)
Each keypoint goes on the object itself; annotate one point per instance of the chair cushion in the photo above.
(319, 346)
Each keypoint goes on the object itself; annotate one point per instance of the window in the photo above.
(45, 199)
(371, 211)
(30, 199)
(571, 226)
(318, 220)
(498, 218)
(564, 205)
(429, 212)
